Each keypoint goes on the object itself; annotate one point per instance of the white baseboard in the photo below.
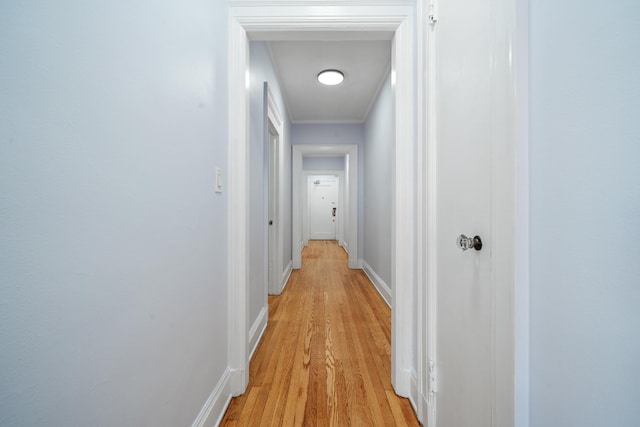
(214, 408)
(381, 287)
(424, 410)
(239, 380)
(418, 400)
(285, 276)
(297, 262)
(260, 325)
(257, 330)
(413, 394)
(402, 383)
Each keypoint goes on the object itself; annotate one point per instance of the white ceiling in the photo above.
(365, 64)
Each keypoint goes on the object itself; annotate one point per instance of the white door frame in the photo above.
(260, 20)
(341, 203)
(274, 118)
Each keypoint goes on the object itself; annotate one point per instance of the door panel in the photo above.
(323, 206)
(273, 220)
(463, 123)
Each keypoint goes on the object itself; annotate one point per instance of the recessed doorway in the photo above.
(355, 22)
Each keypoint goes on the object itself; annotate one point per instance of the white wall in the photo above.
(262, 70)
(336, 134)
(585, 210)
(378, 181)
(113, 265)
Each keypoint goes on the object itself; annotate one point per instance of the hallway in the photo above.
(325, 355)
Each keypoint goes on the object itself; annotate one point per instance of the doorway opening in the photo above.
(275, 232)
(277, 22)
(349, 211)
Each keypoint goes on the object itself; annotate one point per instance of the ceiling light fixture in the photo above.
(330, 77)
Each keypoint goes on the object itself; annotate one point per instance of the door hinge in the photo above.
(433, 377)
(431, 7)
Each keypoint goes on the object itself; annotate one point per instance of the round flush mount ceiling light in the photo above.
(330, 77)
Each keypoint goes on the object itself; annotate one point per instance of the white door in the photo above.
(272, 209)
(467, 74)
(323, 207)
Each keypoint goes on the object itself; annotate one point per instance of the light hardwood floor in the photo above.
(325, 358)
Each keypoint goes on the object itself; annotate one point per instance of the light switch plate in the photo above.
(218, 180)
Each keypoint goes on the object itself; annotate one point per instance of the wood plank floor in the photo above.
(325, 358)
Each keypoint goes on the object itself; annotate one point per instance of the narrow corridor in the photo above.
(325, 357)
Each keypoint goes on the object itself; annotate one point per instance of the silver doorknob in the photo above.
(465, 242)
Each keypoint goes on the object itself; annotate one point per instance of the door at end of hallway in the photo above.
(323, 206)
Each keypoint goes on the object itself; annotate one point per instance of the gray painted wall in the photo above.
(323, 163)
(262, 70)
(378, 169)
(113, 264)
(336, 134)
(113, 244)
(585, 210)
